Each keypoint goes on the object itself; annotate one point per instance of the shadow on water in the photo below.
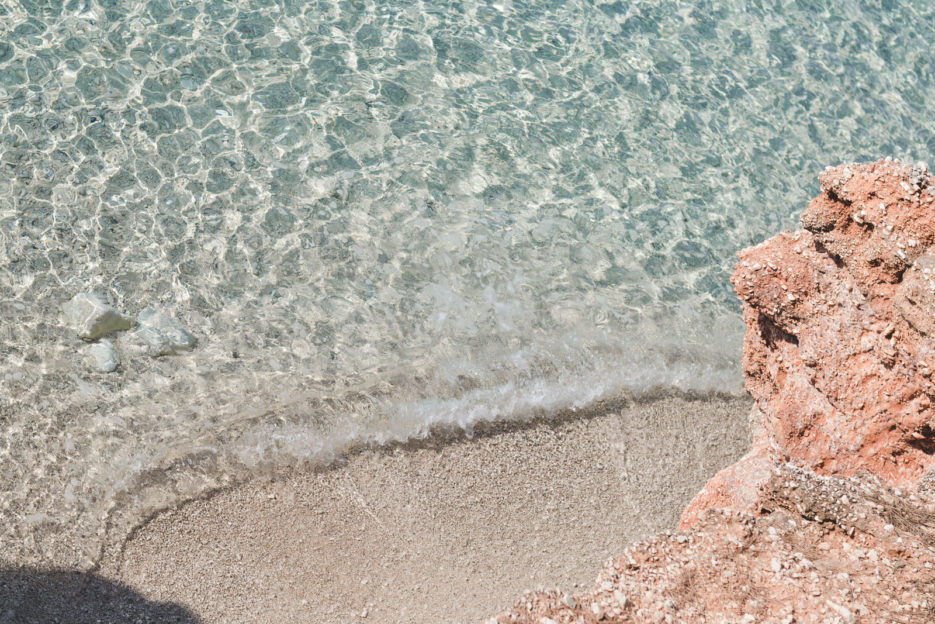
(30, 596)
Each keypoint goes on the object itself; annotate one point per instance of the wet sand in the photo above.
(436, 531)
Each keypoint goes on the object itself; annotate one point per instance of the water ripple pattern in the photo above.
(380, 216)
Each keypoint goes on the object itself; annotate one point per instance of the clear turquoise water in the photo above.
(380, 216)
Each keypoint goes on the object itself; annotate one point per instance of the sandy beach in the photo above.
(433, 531)
(440, 531)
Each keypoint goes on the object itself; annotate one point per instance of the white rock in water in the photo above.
(105, 356)
(91, 316)
(160, 334)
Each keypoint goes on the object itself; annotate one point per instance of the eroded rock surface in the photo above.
(831, 516)
(840, 319)
(818, 549)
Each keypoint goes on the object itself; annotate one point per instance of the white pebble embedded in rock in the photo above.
(91, 316)
(105, 356)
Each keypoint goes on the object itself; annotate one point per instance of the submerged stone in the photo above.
(92, 317)
(105, 356)
(159, 334)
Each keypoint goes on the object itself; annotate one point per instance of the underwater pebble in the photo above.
(91, 316)
(159, 334)
(105, 356)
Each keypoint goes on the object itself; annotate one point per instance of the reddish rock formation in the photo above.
(841, 326)
(831, 516)
(841, 335)
(737, 487)
(819, 550)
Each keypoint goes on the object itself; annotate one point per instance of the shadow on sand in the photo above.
(44, 597)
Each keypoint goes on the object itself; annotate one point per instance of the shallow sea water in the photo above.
(377, 217)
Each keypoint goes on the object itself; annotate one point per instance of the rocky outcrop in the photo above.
(831, 516)
(840, 343)
(818, 549)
